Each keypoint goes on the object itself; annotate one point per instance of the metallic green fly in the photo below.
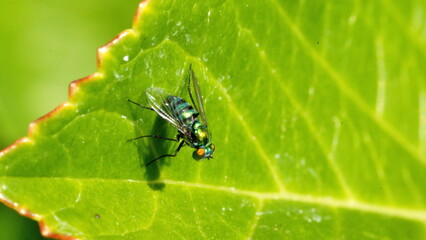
(192, 130)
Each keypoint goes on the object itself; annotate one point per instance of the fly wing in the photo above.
(198, 97)
(157, 99)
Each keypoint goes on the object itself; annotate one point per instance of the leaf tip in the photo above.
(141, 9)
(103, 51)
(74, 86)
(33, 127)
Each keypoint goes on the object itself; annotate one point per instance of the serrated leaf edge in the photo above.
(72, 89)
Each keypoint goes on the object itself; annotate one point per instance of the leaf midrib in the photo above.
(418, 215)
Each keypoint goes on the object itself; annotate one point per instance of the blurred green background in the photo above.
(45, 45)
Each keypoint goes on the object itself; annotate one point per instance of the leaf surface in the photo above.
(315, 110)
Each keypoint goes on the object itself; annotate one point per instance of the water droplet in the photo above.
(188, 38)
(205, 58)
(317, 218)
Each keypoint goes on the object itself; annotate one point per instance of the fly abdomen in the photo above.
(182, 110)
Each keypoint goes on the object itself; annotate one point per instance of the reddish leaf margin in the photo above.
(72, 89)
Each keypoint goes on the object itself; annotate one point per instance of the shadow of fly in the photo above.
(189, 120)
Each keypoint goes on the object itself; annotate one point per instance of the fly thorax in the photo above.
(201, 135)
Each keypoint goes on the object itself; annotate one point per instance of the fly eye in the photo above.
(199, 154)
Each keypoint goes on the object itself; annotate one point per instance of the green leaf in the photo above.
(317, 113)
(41, 41)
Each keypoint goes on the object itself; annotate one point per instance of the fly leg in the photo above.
(155, 136)
(168, 155)
(178, 137)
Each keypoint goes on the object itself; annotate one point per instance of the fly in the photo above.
(192, 130)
